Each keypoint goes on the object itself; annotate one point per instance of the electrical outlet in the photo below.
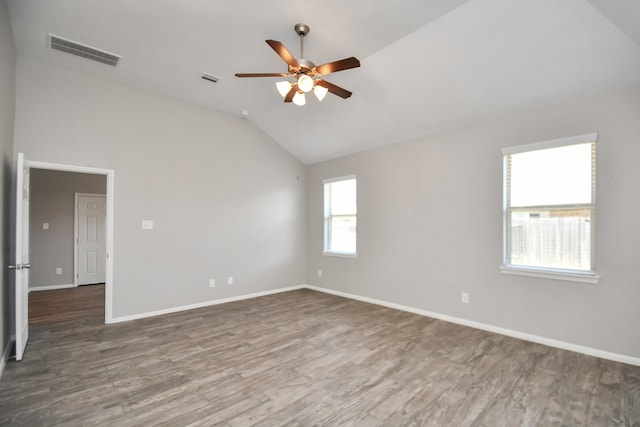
(319, 272)
(212, 283)
(229, 280)
(465, 297)
(58, 271)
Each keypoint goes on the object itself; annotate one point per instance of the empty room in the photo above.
(251, 213)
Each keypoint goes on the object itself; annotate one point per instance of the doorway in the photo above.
(58, 224)
(100, 263)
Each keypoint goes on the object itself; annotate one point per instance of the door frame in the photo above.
(76, 279)
(110, 174)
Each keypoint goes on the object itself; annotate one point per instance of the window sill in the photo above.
(340, 254)
(567, 275)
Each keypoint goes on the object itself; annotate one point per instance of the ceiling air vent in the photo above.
(210, 78)
(84, 51)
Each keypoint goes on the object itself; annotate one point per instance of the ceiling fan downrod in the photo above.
(302, 30)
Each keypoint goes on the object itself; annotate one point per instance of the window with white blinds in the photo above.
(549, 206)
(340, 216)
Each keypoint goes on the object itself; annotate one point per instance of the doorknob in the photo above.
(26, 266)
(15, 267)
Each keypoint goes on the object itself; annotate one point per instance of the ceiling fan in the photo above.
(305, 72)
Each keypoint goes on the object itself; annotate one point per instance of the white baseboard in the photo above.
(203, 304)
(589, 351)
(50, 287)
(631, 360)
(6, 354)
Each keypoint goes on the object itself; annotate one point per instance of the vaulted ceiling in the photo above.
(427, 65)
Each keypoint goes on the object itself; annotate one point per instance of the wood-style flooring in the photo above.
(304, 358)
(83, 302)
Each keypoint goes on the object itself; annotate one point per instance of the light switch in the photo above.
(45, 225)
(147, 224)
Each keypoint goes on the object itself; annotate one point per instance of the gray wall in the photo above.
(430, 227)
(7, 108)
(225, 198)
(52, 195)
(228, 201)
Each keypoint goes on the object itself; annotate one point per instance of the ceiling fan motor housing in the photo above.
(306, 65)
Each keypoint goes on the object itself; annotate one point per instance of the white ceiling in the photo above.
(427, 65)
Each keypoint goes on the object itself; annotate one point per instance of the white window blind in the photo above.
(340, 216)
(549, 205)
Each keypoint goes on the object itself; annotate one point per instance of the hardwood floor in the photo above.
(304, 358)
(53, 306)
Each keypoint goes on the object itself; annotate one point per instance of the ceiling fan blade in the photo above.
(262, 75)
(291, 93)
(343, 64)
(283, 53)
(336, 90)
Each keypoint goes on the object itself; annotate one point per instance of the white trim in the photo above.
(110, 174)
(340, 178)
(203, 304)
(75, 231)
(328, 216)
(108, 289)
(67, 168)
(50, 287)
(553, 143)
(586, 277)
(6, 354)
(589, 351)
(508, 210)
(340, 254)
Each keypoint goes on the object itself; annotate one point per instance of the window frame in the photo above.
(328, 217)
(585, 276)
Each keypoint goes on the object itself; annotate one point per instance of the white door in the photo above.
(21, 257)
(91, 214)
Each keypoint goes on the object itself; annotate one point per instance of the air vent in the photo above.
(84, 51)
(210, 78)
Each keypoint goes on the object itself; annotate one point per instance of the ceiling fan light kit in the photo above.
(299, 99)
(320, 92)
(305, 73)
(283, 87)
(305, 83)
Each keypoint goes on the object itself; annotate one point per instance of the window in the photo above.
(549, 209)
(340, 216)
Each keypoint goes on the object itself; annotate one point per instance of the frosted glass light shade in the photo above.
(320, 92)
(305, 83)
(299, 99)
(283, 87)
